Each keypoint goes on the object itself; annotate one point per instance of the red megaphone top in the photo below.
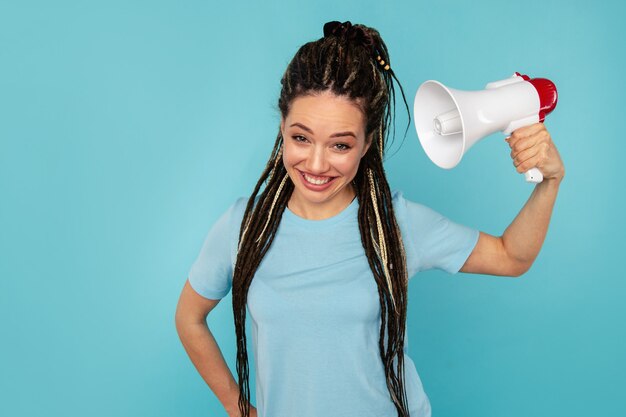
(546, 90)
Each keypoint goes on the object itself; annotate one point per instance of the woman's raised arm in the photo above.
(513, 253)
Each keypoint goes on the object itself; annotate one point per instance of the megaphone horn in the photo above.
(449, 121)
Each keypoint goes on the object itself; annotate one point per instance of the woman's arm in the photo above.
(513, 253)
(203, 350)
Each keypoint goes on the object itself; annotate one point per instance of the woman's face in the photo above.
(324, 141)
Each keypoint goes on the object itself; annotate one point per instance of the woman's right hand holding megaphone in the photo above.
(532, 147)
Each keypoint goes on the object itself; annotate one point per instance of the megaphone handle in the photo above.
(534, 175)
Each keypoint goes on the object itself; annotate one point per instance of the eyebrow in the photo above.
(334, 135)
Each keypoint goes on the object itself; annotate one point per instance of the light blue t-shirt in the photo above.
(314, 307)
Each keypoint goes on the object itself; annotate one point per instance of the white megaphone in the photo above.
(449, 121)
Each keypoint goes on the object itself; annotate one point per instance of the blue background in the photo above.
(128, 127)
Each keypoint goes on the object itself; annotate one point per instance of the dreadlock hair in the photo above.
(349, 61)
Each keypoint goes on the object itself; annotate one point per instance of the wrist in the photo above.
(551, 184)
(556, 179)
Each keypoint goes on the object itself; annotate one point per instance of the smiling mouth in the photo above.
(316, 180)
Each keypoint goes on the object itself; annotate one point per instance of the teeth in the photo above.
(314, 181)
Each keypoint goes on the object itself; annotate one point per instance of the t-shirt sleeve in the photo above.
(431, 240)
(211, 275)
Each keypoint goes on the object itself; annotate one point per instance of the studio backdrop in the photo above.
(128, 127)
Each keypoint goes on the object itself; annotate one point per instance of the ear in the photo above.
(282, 126)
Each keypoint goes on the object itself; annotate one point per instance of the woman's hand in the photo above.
(532, 146)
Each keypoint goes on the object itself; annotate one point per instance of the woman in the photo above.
(331, 248)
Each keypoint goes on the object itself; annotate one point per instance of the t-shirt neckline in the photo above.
(349, 211)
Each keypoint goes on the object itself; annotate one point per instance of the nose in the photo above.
(317, 162)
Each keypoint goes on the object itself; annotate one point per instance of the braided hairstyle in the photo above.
(352, 61)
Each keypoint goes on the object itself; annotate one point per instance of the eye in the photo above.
(342, 147)
(299, 138)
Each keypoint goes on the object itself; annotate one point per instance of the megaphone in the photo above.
(449, 121)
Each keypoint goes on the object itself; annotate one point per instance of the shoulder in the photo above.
(397, 200)
(234, 214)
(404, 207)
(417, 217)
(239, 206)
(236, 210)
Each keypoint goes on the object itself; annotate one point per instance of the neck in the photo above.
(324, 210)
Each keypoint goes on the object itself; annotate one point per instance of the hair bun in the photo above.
(336, 28)
(352, 33)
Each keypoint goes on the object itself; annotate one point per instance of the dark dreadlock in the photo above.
(353, 61)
